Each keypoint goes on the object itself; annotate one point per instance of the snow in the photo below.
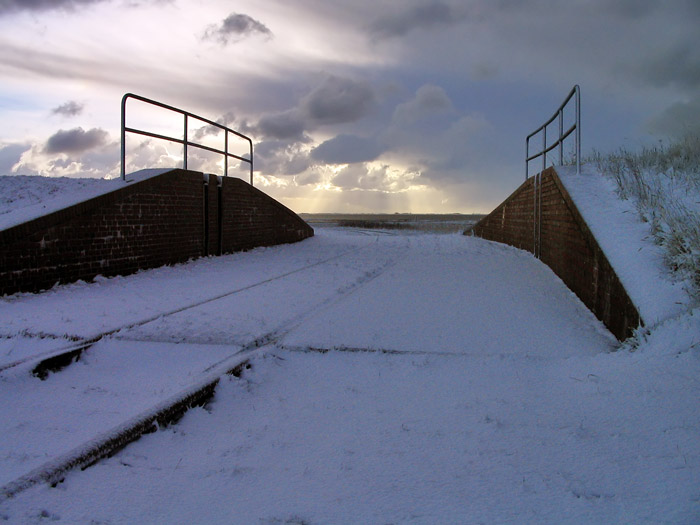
(117, 381)
(395, 378)
(27, 197)
(627, 244)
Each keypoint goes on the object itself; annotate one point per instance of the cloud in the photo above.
(677, 65)
(308, 178)
(234, 28)
(431, 16)
(12, 6)
(374, 178)
(101, 161)
(347, 149)
(69, 109)
(210, 130)
(75, 140)
(354, 177)
(429, 100)
(10, 155)
(678, 120)
(151, 153)
(284, 125)
(281, 158)
(338, 100)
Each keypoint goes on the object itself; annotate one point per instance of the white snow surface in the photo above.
(27, 197)
(627, 244)
(401, 378)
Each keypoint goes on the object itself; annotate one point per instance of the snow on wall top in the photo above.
(27, 197)
(627, 243)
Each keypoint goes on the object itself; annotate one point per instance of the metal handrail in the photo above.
(184, 141)
(559, 113)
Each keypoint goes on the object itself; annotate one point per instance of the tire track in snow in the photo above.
(63, 355)
(197, 394)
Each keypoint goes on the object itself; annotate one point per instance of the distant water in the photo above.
(434, 223)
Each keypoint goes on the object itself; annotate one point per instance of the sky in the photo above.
(382, 106)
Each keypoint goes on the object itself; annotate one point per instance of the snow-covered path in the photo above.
(409, 378)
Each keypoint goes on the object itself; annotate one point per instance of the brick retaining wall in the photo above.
(566, 245)
(149, 223)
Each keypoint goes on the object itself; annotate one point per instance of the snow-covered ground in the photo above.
(401, 378)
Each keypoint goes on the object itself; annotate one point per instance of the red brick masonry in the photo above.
(165, 219)
(567, 246)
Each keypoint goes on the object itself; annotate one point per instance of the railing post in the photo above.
(251, 161)
(578, 129)
(544, 148)
(226, 150)
(123, 168)
(184, 145)
(561, 133)
(527, 156)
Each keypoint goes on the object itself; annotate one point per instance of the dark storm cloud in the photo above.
(284, 125)
(678, 66)
(12, 6)
(430, 16)
(346, 149)
(636, 9)
(75, 140)
(235, 27)
(69, 109)
(337, 101)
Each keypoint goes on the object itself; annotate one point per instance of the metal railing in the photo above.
(558, 114)
(185, 140)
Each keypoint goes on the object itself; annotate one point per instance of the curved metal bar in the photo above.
(184, 141)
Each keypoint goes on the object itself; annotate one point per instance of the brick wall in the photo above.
(566, 245)
(165, 219)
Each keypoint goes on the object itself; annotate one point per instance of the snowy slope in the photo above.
(26, 197)
(627, 243)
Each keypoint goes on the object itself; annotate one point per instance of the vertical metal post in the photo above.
(220, 214)
(124, 137)
(544, 148)
(205, 250)
(527, 156)
(561, 132)
(539, 215)
(534, 215)
(578, 130)
(251, 163)
(184, 146)
(226, 150)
